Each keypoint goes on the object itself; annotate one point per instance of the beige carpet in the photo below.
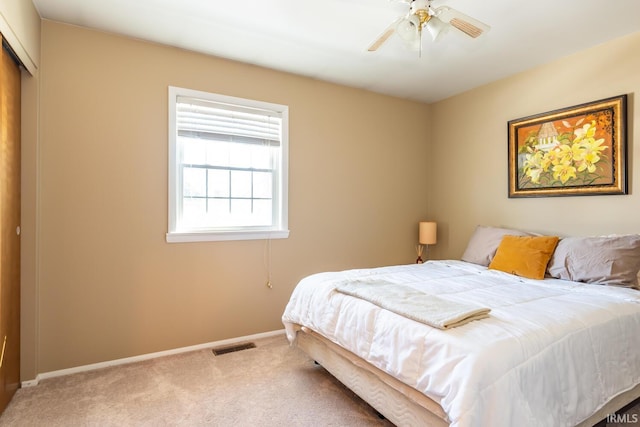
(271, 385)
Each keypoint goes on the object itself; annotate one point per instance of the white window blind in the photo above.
(225, 122)
(228, 167)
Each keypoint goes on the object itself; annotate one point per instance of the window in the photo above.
(228, 163)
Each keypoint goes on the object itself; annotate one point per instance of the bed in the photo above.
(553, 351)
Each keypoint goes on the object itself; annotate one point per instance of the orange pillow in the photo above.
(525, 256)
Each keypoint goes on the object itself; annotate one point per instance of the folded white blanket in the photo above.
(411, 303)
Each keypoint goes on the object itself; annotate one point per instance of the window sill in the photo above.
(178, 237)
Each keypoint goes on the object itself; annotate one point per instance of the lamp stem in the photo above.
(419, 249)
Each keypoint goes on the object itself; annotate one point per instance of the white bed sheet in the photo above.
(551, 353)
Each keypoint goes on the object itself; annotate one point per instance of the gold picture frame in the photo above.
(574, 151)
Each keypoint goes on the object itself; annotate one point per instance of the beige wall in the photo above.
(468, 181)
(109, 284)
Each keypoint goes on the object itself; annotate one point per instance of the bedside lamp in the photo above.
(427, 236)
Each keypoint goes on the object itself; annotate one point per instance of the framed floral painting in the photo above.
(575, 151)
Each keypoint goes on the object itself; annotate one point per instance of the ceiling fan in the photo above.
(437, 21)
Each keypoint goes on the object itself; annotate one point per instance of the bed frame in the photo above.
(396, 401)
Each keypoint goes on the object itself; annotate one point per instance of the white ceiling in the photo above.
(328, 39)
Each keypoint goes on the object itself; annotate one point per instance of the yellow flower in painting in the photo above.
(585, 132)
(545, 162)
(592, 150)
(564, 172)
(532, 166)
(554, 156)
(532, 160)
(534, 174)
(589, 165)
(593, 146)
(579, 156)
(578, 150)
(566, 153)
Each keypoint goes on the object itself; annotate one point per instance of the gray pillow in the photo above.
(485, 241)
(604, 260)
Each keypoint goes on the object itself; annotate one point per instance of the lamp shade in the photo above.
(409, 28)
(428, 233)
(436, 28)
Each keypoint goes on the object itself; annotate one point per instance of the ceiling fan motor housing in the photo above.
(421, 9)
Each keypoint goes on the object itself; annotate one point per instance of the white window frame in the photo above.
(279, 229)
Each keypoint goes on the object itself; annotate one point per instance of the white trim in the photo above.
(29, 383)
(148, 356)
(173, 173)
(227, 235)
(14, 41)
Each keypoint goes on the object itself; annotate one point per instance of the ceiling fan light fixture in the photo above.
(436, 28)
(409, 29)
(437, 21)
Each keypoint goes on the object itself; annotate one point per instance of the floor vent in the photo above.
(233, 348)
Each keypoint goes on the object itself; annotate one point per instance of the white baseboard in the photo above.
(124, 361)
(29, 383)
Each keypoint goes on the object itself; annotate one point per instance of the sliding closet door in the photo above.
(9, 227)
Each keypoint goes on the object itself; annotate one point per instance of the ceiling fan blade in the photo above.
(384, 36)
(468, 25)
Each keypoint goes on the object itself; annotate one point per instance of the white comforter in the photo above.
(551, 353)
